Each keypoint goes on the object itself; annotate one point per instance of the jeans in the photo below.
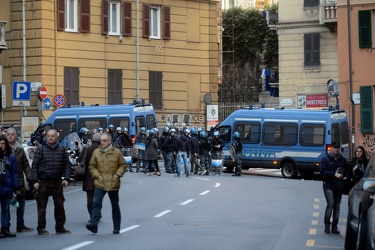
(20, 211)
(333, 199)
(182, 159)
(5, 215)
(168, 160)
(98, 204)
(55, 189)
(141, 159)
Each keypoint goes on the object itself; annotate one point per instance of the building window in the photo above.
(364, 28)
(152, 22)
(311, 3)
(156, 89)
(71, 85)
(312, 49)
(113, 18)
(366, 98)
(114, 86)
(68, 13)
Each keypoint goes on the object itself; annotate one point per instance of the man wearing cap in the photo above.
(331, 169)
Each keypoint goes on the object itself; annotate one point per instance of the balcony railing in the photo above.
(3, 44)
(328, 14)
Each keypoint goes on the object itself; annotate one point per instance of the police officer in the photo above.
(141, 141)
(83, 135)
(237, 144)
(163, 147)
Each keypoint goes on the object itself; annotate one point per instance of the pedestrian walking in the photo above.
(9, 184)
(331, 168)
(24, 169)
(106, 166)
(51, 170)
(182, 145)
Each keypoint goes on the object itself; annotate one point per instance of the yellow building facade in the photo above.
(110, 52)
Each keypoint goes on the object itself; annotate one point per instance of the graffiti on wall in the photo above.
(181, 120)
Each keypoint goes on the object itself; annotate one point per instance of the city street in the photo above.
(201, 212)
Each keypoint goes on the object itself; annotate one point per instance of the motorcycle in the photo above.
(74, 146)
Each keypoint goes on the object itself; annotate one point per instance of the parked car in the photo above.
(360, 226)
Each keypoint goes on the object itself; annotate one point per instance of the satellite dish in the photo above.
(333, 88)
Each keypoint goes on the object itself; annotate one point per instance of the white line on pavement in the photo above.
(186, 202)
(129, 228)
(85, 243)
(205, 192)
(162, 213)
(200, 178)
(217, 185)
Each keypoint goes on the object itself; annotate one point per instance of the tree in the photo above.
(244, 36)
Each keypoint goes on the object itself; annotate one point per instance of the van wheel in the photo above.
(289, 170)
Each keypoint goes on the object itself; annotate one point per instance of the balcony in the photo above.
(272, 18)
(328, 14)
(3, 44)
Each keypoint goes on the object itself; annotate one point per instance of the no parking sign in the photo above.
(59, 100)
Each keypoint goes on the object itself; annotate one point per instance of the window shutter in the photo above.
(367, 124)
(310, 3)
(85, 16)
(105, 17)
(127, 25)
(158, 90)
(167, 22)
(146, 20)
(307, 49)
(60, 15)
(364, 23)
(315, 49)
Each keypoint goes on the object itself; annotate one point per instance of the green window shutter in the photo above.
(367, 124)
(364, 28)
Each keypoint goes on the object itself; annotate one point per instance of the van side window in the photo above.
(90, 124)
(336, 132)
(312, 134)
(249, 132)
(67, 126)
(151, 121)
(280, 134)
(139, 123)
(225, 133)
(120, 122)
(344, 132)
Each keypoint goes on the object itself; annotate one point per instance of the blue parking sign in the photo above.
(21, 93)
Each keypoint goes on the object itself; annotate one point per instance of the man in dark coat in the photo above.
(23, 169)
(152, 153)
(50, 164)
(88, 182)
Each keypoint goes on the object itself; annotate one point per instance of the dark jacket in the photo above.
(194, 144)
(126, 140)
(328, 166)
(152, 149)
(215, 142)
(162, 140)
(182, 144)
(22, 166)
(204, 147)
(355, 166)
(11, 177)
(88, 182)
(50, 162)
(237, 144)
(170, 143)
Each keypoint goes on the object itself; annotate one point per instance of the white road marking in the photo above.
(85, 243)
(217, 185)
(162, 213)
(186, 202)
(205, 192)
(129, 228)
(200, 178)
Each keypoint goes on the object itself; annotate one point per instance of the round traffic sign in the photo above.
(42, 92)
(59, 100)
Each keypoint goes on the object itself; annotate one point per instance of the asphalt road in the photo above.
(210, 212)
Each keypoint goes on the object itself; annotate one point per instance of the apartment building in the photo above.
(258, 4)
(308, 56)
(356, 47)
(115, 51)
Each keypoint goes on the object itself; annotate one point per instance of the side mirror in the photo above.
(369, 185)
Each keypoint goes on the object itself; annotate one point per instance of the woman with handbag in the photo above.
(358, 164)
(329, 165)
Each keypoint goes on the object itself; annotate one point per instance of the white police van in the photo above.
(293, 140)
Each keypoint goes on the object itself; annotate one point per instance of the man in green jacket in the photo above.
(24, 169)
(106, 166)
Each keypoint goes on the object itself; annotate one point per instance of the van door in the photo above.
(250, 137)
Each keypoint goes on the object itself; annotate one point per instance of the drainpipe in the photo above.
(351, 80)
(137, 47)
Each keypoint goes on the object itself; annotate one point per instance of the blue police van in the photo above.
(293, 140)
(131, 116)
